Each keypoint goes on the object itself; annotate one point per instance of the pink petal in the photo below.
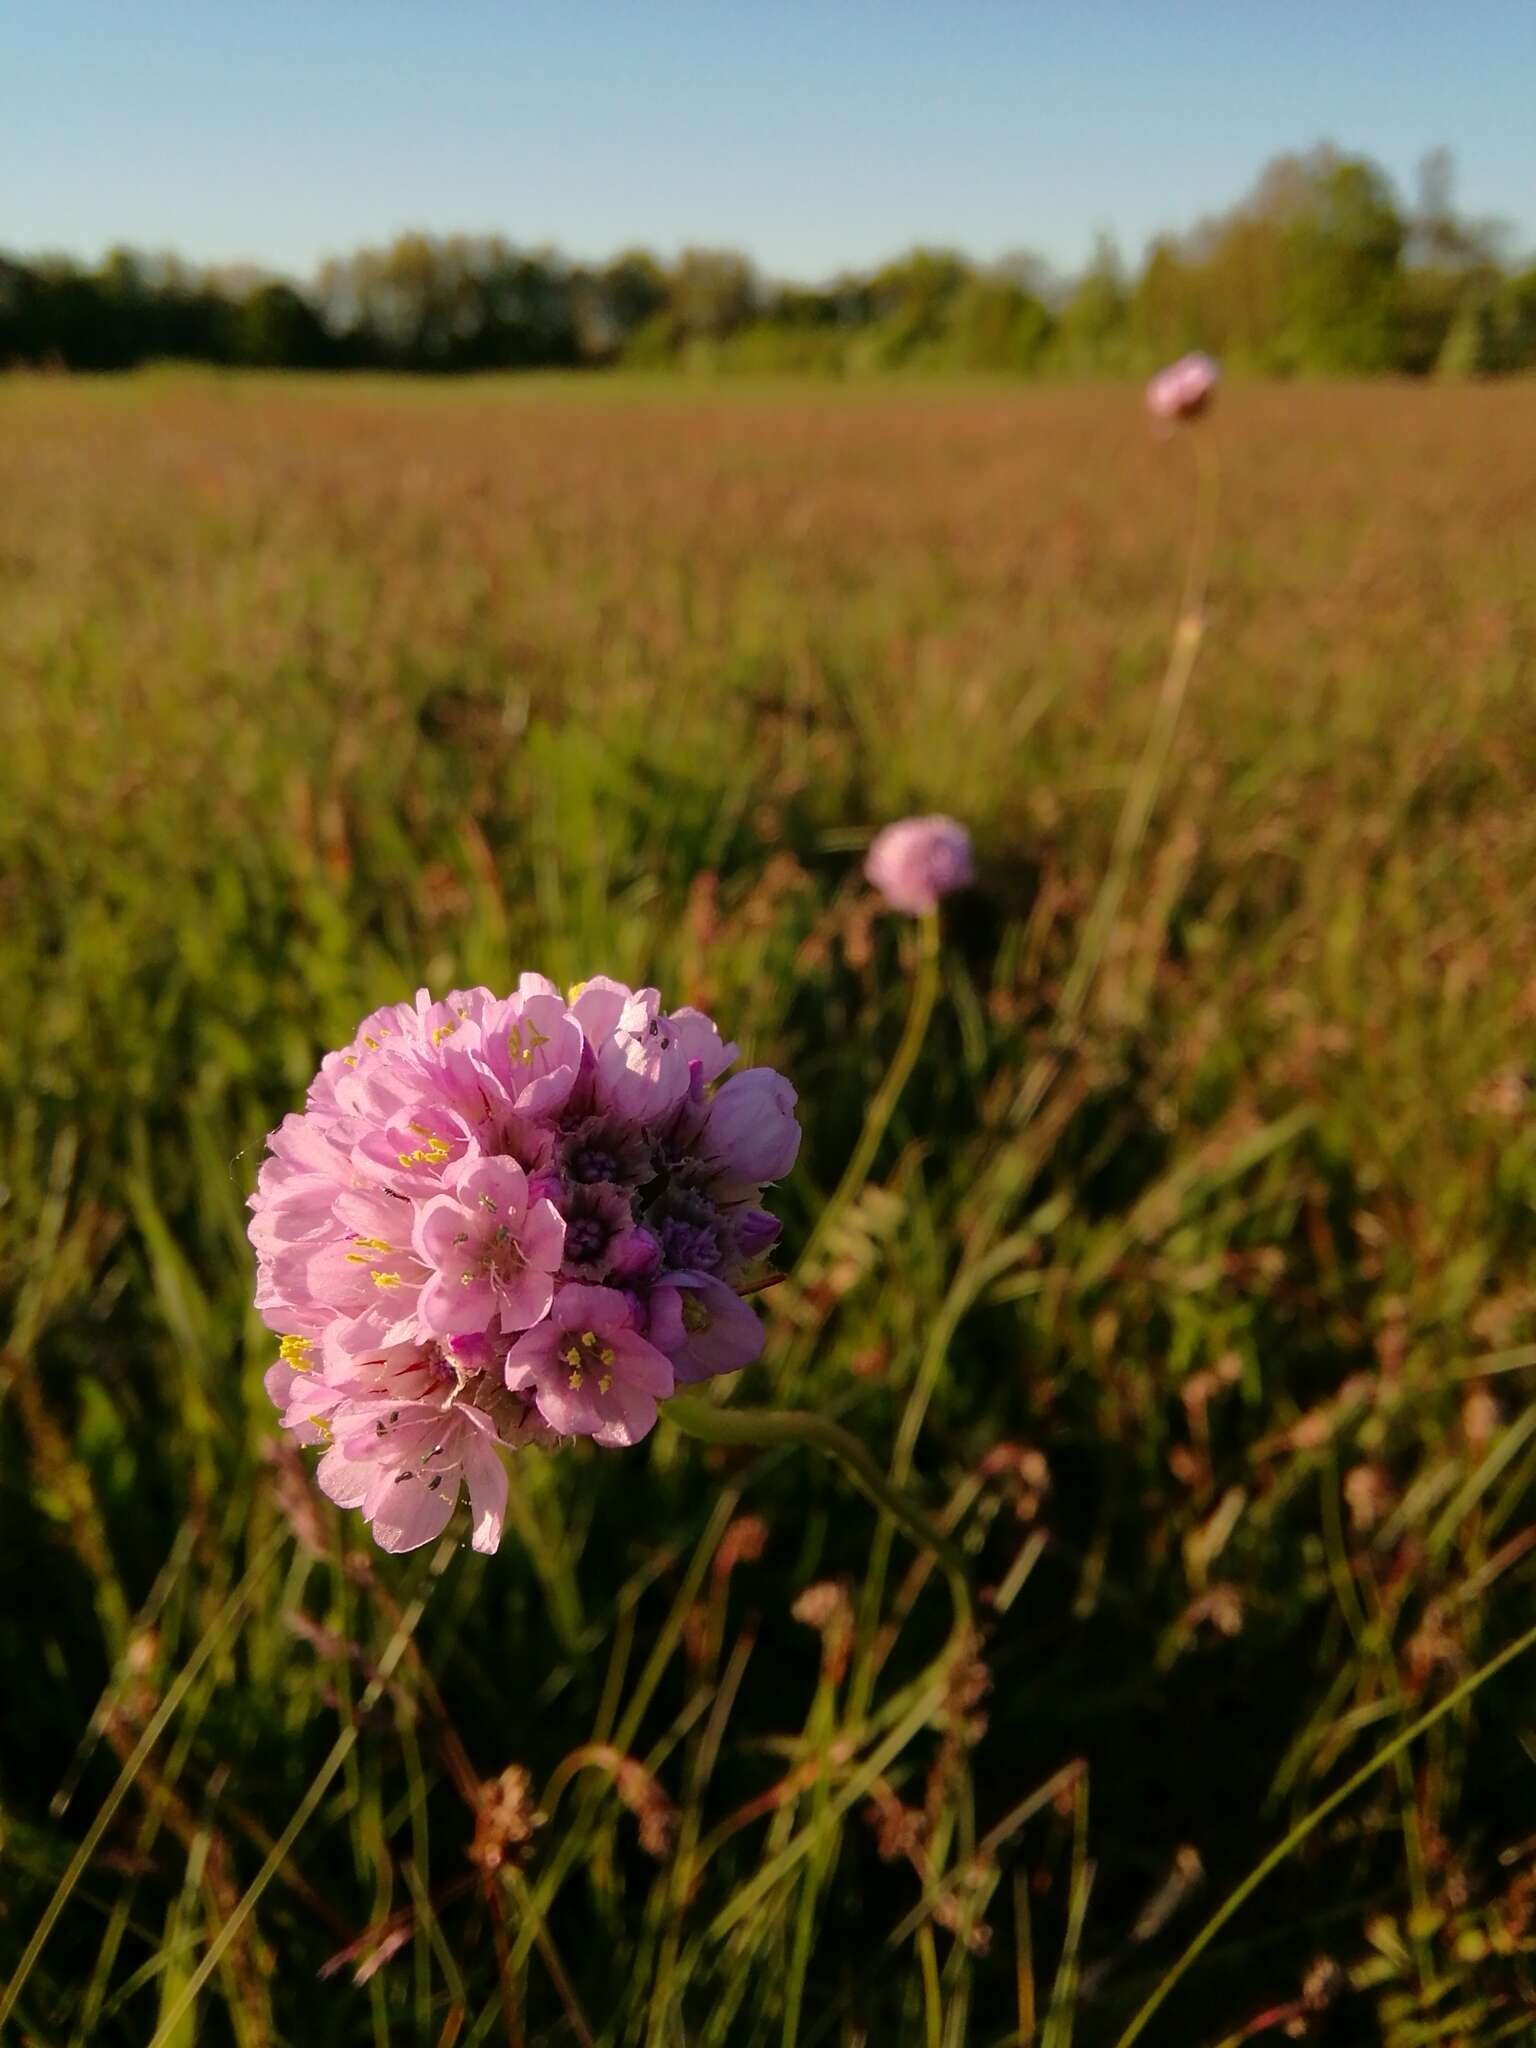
(413, 1513)
(525, 1300)
(487, 1479)
(542, 1237)
(437, 1225)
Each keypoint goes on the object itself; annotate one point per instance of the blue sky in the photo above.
(812, 133)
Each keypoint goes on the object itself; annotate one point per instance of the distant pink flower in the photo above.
(917, 860)
(504, 1219)
(1184, 389)
(588, 1370)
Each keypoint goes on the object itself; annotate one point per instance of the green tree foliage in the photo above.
(1320, 268)
(275, 327)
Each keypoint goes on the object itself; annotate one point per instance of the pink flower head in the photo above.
(588, 1370)
(917, 860)
(1184, 389)
(504, 1219)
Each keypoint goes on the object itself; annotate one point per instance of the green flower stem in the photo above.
(1188, 634)
(925, 991)
(768, 1428)
(1314, 1820)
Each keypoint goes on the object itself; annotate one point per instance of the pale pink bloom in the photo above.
(917, 860)
(705, 1050)
(402, 1461)
(493, 1254)
(1184, 389)
(589, 1370)
(363, 1275)
(307, 1165)
(403, 1434)
(532, 1044)
(642, 1066)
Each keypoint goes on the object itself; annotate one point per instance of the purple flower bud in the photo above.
(751, 1127)
(702, 1326)
(756, 1230)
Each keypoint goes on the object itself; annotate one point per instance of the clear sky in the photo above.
(811, 133)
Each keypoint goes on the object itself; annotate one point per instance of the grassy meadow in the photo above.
(1194, 1295)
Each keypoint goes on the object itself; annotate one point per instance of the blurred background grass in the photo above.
(1215, 1365)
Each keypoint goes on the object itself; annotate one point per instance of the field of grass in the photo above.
(1196, 1297)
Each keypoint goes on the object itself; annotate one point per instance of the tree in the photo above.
(1094, 330)
(275, 328)
(710, 294)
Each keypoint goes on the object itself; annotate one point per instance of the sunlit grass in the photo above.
(1199, 1306)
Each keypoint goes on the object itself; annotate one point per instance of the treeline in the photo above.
(1321, 268)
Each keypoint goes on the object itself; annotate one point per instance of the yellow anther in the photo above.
(295, 1351)
(371, 1043)
(433, 1153)
(606, 1354)
(375, 1244)
(571, 1355)
(385, 1279)
(604, 1382)
(444, 1031)
(589, 1337)
(575, 992)
(357, 1258)
(518, 1049)
(575, 1380)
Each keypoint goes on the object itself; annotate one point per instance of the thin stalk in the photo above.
(1314, 1820)
(1188, 634)
(765, 1429)
(882, 1107)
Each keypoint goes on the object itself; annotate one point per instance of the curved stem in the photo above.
(766, 1428)
(1313, 1820)
(925, 990)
